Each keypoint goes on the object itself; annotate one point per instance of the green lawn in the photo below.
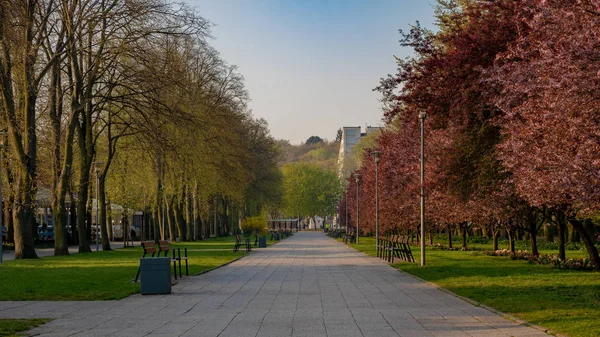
(98, 275)
(10, 327)
(567, 302)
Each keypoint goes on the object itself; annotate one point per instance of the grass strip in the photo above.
(98, 275)
(10, 327)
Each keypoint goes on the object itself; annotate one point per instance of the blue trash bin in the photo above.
(156, 275)
(262, 242)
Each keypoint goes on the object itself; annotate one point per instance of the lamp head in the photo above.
(357, 177)
(422, 115)
(96, 164)
(377, 155)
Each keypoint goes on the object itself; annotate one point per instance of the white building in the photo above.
(351, 135)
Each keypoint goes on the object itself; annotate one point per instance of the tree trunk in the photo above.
(170, 220)
(588, 242)
(189, 221)
(82, 196)
(109, 225)
(549, 232)
(60, 171)
(495, 235)
(224, 217)
(179, 220)
(533, 229)
(449, 238)
(216, 206)
(102, 209)
(23, 218)
(156, 223)
(73, 221)
(561, 237)
(511, 239)
(463, 228)
(197, 232)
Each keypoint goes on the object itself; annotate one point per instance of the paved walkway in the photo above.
(307, 285)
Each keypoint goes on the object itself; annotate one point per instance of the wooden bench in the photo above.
(399, 247)
(350, 237)
(381, 243)
(284, 233)
(164, 247)
(275, 235)
(242, 241)
(149, 248)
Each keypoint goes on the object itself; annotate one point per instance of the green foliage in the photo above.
(338, 135)
(265, 189)
(309, 189)
(319, 154)
(255, 224)
(313, 140)
(367, 142)
(323, 154)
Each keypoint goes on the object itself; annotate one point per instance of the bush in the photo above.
(547, 245)
(256, 224)
(480, 239)
(439, 246)
(571, 264)
(518, 255)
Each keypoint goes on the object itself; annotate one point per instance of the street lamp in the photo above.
(357, 177)
(1, 207)
(96, 164)
(377, 155)
(346, 209)
(422, 119)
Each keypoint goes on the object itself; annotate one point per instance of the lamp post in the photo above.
(96, 164)
(422, 119)
(357, 177)
(377, 155)
(1, 207)
(346, 209)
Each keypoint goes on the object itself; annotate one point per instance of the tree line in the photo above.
(511, 95)
(131, 92)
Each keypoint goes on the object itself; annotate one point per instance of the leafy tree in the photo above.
(313, 140)
(550, 98)
(338, 135)
(309, 189)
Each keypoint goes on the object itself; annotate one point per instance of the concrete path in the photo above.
(307, 285)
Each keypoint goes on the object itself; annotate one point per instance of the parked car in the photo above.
(46, 234)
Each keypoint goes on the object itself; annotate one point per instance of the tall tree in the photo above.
(22, 71)
(309, 189)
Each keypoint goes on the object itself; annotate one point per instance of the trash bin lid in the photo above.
(155, 261)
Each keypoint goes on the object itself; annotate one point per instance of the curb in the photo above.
(490, 309)
(217, 267)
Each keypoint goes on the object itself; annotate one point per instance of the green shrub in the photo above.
(254, 225)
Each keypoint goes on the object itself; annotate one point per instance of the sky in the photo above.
(310, 66)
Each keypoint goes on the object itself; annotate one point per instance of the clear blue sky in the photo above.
(309, 65)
